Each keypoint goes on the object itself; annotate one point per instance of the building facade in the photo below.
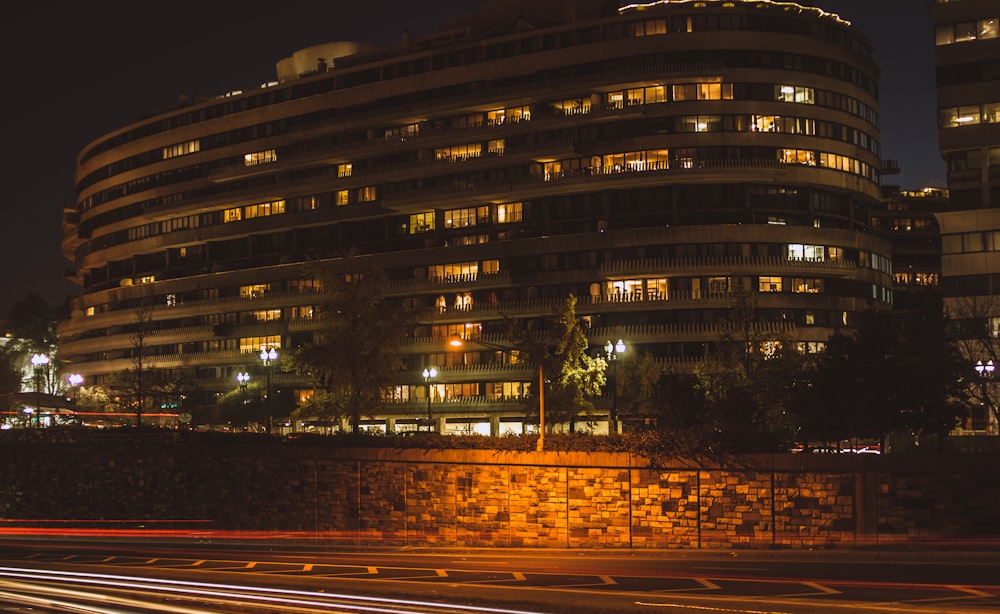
(654, 160)
(967, 56)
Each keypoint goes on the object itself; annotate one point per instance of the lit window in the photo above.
(496, 147)
(181, 149)
(458, 153)
(171, 300)
(260, 157)
(402, 133)
(470, 216)
(764, 123)
(794, 93)
(810, 318)
(573, 106)
(264, 209)
(808, 286)
(770, 284)
(367, 194)
(508, 213)
(254, 290)
(232, 215)
(989, 28)
(553, 170)
(266, 315)
(422, 222)
(342, 197)
(345, 170)
(89, 311)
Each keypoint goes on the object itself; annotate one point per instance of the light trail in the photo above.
(230, 594)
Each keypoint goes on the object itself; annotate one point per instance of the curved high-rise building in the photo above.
(654, 160)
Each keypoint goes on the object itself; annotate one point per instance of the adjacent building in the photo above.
(654, 160)
(968, 65)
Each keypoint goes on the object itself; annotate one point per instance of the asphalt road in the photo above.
(545, 581)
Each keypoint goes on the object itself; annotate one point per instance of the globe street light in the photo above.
(613, 351)
(74, 380)
(429, 374)
(268, 356)
(985, 371)
(39, 361)
(243, 378)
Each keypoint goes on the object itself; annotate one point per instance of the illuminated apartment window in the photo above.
(266, 315)
(626, 288)
(254, 290)
(181, 149)
(469, 216)
(342, 197)
(553, 170)
(345, 170)
(777, 220)
(264, 209)
(650, 95)
(458, 153)
(253, 345)
(764, 123)
(476, 239)
(367, 194)
(232, 215)
(799, 251)
(615, 100)
(422, 222)
(306, 312)
(490, 267)
(807, 286)
(171, 300)
(89, 311)
(797, 156)
(496, 147)
(810, 318)
(260, 157)
(702, 91)
(508, 213)
(991, 113)
(511, 115)
(794, 93)
(573, 106)
(658, 288)
(835, 254)
(925, 279)
(953, 117)
(652, 159)
(769, 284)
(146, 279)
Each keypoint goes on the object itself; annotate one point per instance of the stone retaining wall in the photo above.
(495, 499)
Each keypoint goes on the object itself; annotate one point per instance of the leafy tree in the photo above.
(572, 376)
(747, 381)
(352, 357)
(898, 372)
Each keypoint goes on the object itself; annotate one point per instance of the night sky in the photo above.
(81, 70)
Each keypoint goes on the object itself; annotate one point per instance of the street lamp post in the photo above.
(39, 362)
(985, 371)
(74, 380)
(268, 356)
(458, 343)
(243, 378)
(613, 351)
(429, 374)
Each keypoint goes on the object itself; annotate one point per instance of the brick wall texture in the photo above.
(164, 484)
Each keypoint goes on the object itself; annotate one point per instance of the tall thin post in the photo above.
(541, 408)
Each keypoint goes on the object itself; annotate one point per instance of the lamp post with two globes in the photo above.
(613, 351)
(267, 356)
(985, 371)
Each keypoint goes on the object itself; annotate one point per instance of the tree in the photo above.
(132, 383)
(746, 382)
(572, 376)
(976, 330)
(352, 357)
(896, 372)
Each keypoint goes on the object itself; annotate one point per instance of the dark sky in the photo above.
(83, 69)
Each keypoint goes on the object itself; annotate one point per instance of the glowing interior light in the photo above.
(964, 119)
